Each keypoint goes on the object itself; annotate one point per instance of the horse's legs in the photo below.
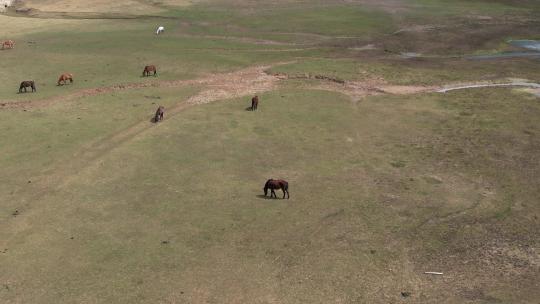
(274, 193)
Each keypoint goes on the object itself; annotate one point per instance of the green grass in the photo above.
(99, 205)
(453, 7)
(195, 181)
(111, 56)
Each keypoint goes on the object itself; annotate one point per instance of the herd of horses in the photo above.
(62, 80)
(271, 184)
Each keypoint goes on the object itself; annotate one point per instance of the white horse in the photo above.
(160, 30)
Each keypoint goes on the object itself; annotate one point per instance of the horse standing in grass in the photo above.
(160, 30)
(148, 69)
(26, 84)
(159, 114)
(64, 78)
(8, 44)
(274, 184)
(254, 103)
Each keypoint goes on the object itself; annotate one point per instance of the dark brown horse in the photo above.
(148, 69)
(274, 184)
(26, 84)
(159, 114)
(254, 103)
(64, 78)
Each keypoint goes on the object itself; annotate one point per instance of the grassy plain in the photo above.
(99, 205)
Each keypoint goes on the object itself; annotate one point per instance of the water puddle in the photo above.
(533, 46)
(530, 85)
(408, 55)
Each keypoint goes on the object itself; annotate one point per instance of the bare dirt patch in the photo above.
(359, 89)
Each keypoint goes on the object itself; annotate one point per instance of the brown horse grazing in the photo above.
(159, 114)
(148, 69)
(64, 78)
(273, 184)
(8, 44)
(27, 83)
(254, 103)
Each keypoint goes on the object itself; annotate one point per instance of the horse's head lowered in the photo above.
(266, 186)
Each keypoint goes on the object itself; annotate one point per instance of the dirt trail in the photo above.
(248, 81)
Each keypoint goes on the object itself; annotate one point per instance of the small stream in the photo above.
(531, 85)
(532, 47)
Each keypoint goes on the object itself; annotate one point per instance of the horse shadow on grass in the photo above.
(262, 196)
(249, 109)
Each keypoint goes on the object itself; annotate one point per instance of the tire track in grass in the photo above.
(248, 81)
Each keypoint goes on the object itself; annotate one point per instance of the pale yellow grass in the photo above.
(105, 6)
(16, 26)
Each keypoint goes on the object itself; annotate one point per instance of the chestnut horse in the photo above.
(254, 103)
(159, 114)
(274, 184)
(27, 83)
(8, 44)
(65, 77)
(148, 69)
